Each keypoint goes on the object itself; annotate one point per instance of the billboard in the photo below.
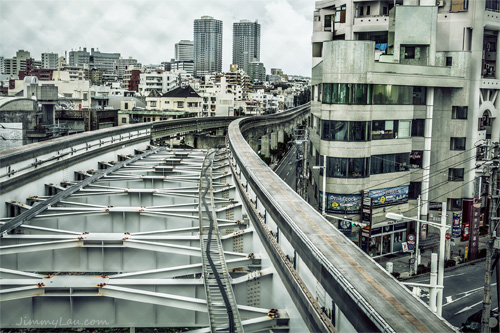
(389, 196)
(341, 203)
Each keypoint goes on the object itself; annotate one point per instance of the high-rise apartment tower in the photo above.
(207, 46)
(246, 43)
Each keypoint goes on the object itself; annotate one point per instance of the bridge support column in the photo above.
(254, 144)
(264, 149)
(281, 135)
(274, 140)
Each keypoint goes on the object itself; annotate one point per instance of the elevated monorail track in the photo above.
(369, 297)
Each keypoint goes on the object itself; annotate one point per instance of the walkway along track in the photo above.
(224, 316)
(367, 295)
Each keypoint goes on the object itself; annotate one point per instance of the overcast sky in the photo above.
(147, 30)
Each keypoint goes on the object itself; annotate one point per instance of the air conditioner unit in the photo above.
(440, 3)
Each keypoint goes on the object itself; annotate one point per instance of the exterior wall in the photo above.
(449, 62)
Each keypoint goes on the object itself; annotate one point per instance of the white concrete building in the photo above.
(50, 60)
(159, 80)
(403, 100)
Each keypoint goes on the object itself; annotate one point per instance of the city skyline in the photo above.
(285, 25)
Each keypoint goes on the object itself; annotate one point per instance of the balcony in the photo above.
(371, 23)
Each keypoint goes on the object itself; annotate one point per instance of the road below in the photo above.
(463, 292)
(286, 170)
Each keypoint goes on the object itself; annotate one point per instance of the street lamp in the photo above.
(324, 183)
(442, 233)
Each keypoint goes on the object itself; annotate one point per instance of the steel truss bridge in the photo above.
(114, 229)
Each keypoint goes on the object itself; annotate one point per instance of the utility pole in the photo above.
(491, 249)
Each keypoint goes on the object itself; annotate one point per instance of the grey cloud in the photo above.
(148, 29)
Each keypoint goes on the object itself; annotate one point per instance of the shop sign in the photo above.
(341, 203)
(389, 196)
(456, 228)
(435, 205)
(474, 232)
(345, 227)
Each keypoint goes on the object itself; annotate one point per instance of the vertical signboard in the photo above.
(456, 225)
(366, 218)
(474, 232)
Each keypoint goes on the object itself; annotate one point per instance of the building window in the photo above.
(392, 95)
(338, 167)
(367, 10)
(345, 131)
(454, 204)
(383, 129)
(180, 104)
(456, 174)
(85, 96)
(124, 120)
(152, 104)
(414, 190)
(459, 5)
(328, 22)
(388, 163)
(416, 159)
(126, 106)
(459, 112)
(457, 143)
(449, 61)
(409, 52)
(404, 129)
(417, 127)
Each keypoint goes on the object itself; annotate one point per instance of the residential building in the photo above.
(181, 101)
(256, 71)
(207, 46)
(159, 80)
(12, 66)
(184, 50)
(246, 43)
(103, 61)
(403, 106)
(79, 58)
(131, 79)
(2, 66)
(187, 66)
(49, 60)
(122, 64)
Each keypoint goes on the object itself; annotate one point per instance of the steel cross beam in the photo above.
(29, 214)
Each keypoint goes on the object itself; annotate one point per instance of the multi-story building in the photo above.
(187, 66)
(2, 66)
(79, 58)
(131, 79)
(256, 71)
(122, 64)
(403, 102)
(184, 50)
(12, 66)
(49, 60)
(158, 80)
(103, 61)
(246, 43)
(207, 46)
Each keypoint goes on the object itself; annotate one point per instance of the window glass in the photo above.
(356, 167)
(382, 129)
(417, 127)
(416, 159)
(337, 167)
(457, 143)
(419, 95)
(359, 131)
(327, 93)
(389, 163)
(404, 129)
(414, 190)
(459, 112)
(456, 174)
(360, 94)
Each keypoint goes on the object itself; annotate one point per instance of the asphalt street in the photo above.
(463, 292)
(286, 170)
